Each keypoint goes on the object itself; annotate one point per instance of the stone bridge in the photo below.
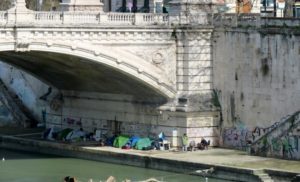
(133, 73)
(143, 73)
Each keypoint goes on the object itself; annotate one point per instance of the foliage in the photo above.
(288, 9)
(265, 67)
(215, 98)
(47, 5)
(5, 4)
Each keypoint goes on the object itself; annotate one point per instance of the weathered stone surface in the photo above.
(117, 72)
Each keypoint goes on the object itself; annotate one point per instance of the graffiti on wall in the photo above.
(240, 136)
(72, 122)
(279, 140)
(138, 129)
(236, 137)
(286, 147)
(109, 126)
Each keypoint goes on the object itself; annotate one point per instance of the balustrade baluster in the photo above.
(74, 18)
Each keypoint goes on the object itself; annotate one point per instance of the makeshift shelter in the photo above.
(120, 141)
(143, 143)
(133, 140)
(63, 134)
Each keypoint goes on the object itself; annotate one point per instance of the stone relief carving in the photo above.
(162, 57)
(157, 58)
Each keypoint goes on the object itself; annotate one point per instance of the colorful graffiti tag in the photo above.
(236, 137)
(240, 136)
(279, 140)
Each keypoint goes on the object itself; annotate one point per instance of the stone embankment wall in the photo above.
(281, 141)
(256, 76)
(73, 109)
(6, 118)
(24, 87)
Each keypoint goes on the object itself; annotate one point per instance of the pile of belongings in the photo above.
(67, 134)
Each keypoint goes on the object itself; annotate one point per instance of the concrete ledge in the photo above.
(140, 159)
(281, 175)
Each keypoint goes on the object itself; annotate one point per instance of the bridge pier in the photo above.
(194, 100)
(195, 83)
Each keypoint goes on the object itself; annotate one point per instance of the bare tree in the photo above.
(46, 5)
(5, 4)
(288, 9)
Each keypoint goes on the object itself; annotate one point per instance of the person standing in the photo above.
(184, 142)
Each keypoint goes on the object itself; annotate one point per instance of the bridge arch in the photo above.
(124, 63)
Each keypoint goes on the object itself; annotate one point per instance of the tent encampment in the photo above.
(120, 141)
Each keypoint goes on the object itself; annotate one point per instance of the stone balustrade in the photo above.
(83, 18)
(251, 20)
(79, 18)
(124, 19)
(46, 17)
(118, 18)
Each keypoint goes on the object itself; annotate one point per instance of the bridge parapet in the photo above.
(20, 15)
(79, 18)
(251, 20)
(82, 18)
(93, 19)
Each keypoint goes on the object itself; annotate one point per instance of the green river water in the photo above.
(28, 167)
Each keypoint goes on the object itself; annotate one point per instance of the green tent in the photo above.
(120, 141)
(143, 142)
(63, 134)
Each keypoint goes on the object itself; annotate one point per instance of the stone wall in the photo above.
(109, 113)
(256, 77)
(27, 88)
(194, 69)
(6, 117)
(119, 114)
(281, 141)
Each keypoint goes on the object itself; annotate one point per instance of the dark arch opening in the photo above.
(67, 72)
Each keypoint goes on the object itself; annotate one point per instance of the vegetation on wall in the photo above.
(215, 98)
(264, 66)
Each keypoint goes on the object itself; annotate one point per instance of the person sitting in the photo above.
(192, 146)
(205, 143)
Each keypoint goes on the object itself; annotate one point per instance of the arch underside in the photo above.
(67, 72)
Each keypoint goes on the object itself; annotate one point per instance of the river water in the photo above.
(28, 167)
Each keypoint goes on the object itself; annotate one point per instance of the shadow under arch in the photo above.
(71, 71)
